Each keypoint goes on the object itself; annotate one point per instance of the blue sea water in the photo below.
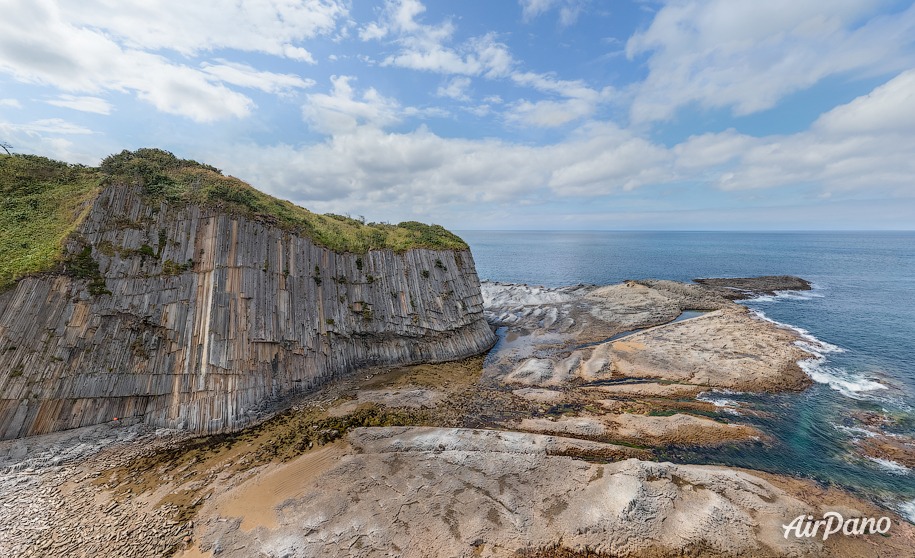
(860, 316)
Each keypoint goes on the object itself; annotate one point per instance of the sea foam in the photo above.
(907, 510)
(891, 466)
(839, 379)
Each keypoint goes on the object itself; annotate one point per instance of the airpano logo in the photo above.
(833, 523)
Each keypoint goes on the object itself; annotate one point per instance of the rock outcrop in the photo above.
(193, 317)
(638, 329)
(748, 287)
(460, 492)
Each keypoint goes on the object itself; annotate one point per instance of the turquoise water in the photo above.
(860, 316)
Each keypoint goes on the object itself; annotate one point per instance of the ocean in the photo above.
(859, 319)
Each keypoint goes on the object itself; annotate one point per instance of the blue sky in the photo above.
(528, 114)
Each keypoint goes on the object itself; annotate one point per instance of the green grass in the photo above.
(165, 177)
(42, 201)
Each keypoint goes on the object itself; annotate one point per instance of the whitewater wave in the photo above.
(907, 510)
(839, 379)
(854, 431)
(788, 295)
(807, 342)
(890, 466)
(849, 385)
(726, 405)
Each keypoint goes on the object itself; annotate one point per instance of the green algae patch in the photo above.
(165, 177)
(41, 203)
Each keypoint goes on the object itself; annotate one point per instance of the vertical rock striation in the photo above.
(196, 317)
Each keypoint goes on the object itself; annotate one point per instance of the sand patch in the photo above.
(194, 552)
(255, 500)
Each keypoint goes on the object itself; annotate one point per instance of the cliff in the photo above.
(191, 313)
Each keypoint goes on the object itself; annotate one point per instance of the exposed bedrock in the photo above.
(746, 287)
(628, 331)
(208, 316)
(457, 492)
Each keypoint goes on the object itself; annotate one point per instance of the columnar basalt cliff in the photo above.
(191, 316)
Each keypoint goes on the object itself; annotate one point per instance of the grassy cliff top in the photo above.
(42, 201)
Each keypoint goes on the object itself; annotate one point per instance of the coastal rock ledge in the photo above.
(195, 317)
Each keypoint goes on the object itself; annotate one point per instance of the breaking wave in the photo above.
(850, 385)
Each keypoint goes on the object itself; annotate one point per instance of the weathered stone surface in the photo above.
(746, 287)
(628, 331)
(454, 492)
(211, 315)
(729, 349)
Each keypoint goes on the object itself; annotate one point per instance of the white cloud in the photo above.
(91, 47)
(746, 55)
(456, 88)
(95, 105)
(273, 27)
(53, 137)
(53, 126)
(244, 75)
(569, 10)
(363, 168)
(578, 101)
(861, 146)
(341, 111)
(372, 31)
(888, 108)
(426, 47)
(12, 103)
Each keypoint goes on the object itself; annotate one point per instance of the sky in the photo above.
(492, 114)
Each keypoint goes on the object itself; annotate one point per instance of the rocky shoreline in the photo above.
(549, 446)
(747, 287)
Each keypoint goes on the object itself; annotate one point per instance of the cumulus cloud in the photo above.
(746, 55)
(365, 168)
(90, 48)
(12, 103)
(272, 27)
(361, 167)
(860, 146)
(343, 111)
(577, 100)
(455, 88)
(427, 47)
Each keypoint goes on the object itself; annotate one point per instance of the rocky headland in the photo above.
(552, 444)
(172, 294)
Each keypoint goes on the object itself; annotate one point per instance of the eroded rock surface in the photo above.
(744, 287)
(447, 492)
(553, 337)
